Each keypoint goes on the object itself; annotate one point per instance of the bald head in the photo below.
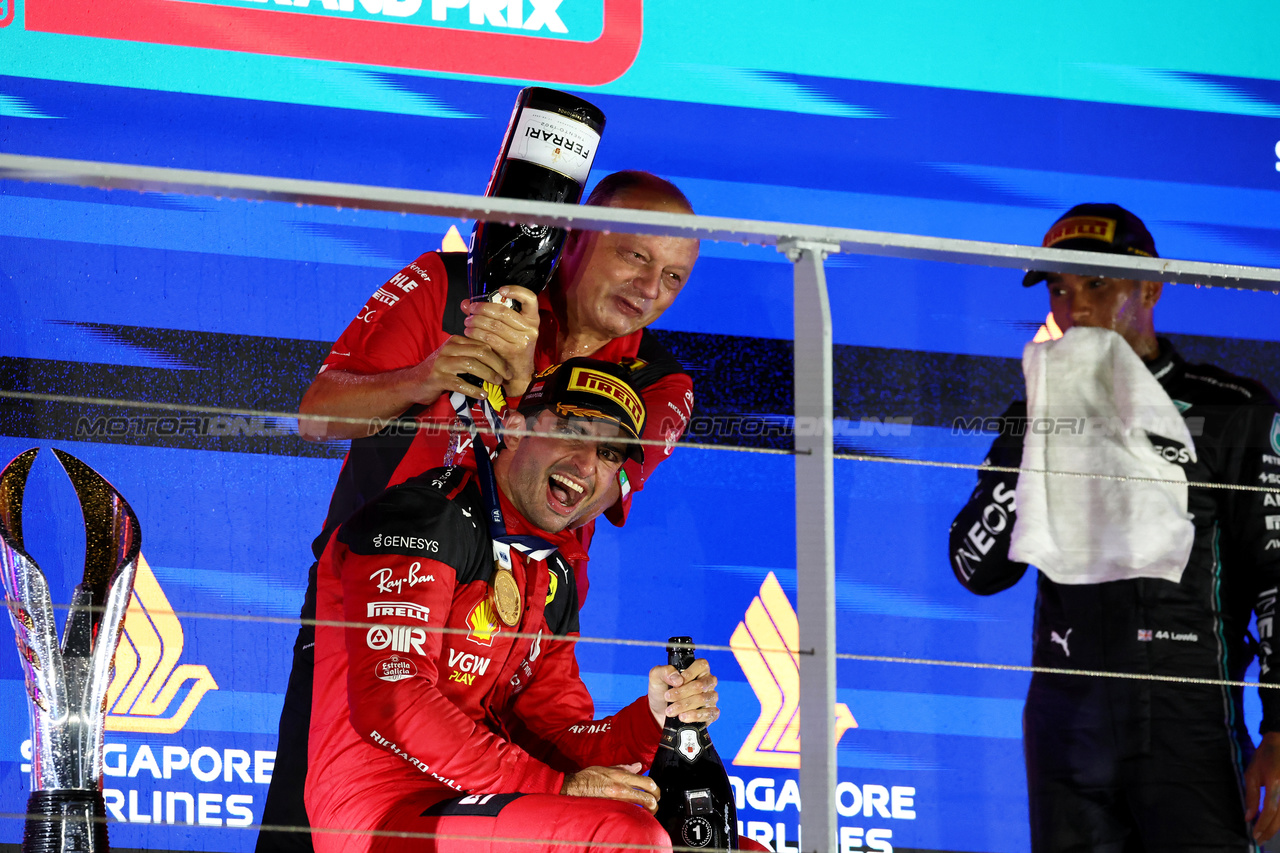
(640, 191)
(612, 284)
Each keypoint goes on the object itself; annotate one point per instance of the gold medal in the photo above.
(506, 596)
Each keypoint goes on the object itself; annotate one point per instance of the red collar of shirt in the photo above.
(548, 353)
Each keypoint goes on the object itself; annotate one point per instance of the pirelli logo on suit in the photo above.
(403, 609)
(596, 382)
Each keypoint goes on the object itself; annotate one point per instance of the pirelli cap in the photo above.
(587, 388)
(1096, 228)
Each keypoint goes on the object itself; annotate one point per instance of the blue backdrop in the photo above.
(916, 118)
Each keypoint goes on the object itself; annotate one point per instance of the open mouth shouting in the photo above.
(565, 492)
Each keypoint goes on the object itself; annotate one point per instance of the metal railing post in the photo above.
(815, 544)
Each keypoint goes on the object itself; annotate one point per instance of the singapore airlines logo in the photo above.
(453, 241)
(765, 645)
(148, 676)
(1048, 330)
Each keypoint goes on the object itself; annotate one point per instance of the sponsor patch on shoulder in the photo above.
(1275, 433)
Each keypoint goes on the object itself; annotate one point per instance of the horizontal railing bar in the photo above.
(457, 205)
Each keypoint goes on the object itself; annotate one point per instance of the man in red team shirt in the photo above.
(406, 351)
(443, 713)
(400, 356)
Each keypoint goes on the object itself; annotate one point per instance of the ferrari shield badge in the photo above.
(690, 747)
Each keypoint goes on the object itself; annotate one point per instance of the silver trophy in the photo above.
(67, 686)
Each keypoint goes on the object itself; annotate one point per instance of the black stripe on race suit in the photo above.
(474, 805)
(421, 518)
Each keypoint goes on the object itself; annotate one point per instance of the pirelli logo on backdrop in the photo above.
(765, 644)
(1092, 227)
(148, 678)
(597, 382)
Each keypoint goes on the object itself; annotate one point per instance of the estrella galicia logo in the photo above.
(765, 644)
(148, 678)
(1275, 434)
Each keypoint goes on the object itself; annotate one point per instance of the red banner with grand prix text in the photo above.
(343, 39)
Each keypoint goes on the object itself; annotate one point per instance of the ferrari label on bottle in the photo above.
(555, 142)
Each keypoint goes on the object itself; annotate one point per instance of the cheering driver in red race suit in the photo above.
(416, 337)
(1117, 764)
(406, 351)
(452, 707)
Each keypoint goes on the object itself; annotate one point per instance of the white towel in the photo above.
(1091, 403)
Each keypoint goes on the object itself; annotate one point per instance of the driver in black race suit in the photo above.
(439, 711)
(1142, 765)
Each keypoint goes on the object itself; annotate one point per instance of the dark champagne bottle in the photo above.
(546, 155)
(696, 808)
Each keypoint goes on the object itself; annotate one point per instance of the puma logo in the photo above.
(1061, 640)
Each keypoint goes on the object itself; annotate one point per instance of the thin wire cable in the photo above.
(375, 833)
(859, 457)
(430, 426)
(1010, 469)
(709, 647)
(1054, 670)
(430, 629)
(381, 423)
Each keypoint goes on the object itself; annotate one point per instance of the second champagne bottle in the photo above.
(696, 807)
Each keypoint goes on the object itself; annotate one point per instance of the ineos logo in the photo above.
(1180, 455)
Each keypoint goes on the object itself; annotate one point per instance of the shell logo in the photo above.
(483, 623)
(148, 677)
(765, 645)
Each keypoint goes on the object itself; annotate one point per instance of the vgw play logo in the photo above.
(765, 644)
(148, 677)
(574, 42)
